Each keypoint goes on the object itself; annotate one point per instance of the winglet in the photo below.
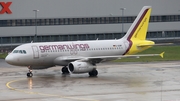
(162, 54)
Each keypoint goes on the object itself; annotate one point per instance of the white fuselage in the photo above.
(46, 53)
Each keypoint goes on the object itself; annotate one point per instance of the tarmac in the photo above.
(148, 81)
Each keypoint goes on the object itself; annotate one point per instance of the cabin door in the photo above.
(35, 52)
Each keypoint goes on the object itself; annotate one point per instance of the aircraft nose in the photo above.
(9, 59)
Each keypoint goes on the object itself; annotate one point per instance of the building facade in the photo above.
(23, 21)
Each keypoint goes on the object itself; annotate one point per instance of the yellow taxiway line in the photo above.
(44, 94)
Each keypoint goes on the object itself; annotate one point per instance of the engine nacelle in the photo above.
(80, 67)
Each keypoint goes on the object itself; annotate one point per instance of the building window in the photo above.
(72, 37)
(66, 21)
(70, 20)
(16, 40)
(82, 37)
(25, 39)
(111, 20)
(46, 21)
(51, 21)
(97, 36)
(9, 22)
(56, 21)
(118, 35)
(75, 21)
(108, 36)
(129, 19)
(91, 37)
(45, 38)
(100, 36)
(107, 20)
(6, 40)
(102, 20)
(55, 38)
(93, 20)
(28, 22)
(64, 38)
(37, 38)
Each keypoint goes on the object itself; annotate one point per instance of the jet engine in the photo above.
(80, 67)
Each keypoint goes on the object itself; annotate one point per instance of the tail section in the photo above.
(140, 26)
(136, 35)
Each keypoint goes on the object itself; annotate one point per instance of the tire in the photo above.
(93, 73)
(65, 70)
(29, 74)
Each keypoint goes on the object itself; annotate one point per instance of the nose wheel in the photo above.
(29, 74)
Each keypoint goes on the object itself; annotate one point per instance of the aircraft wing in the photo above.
(99, 59)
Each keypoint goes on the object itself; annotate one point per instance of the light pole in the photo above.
(35, 36)
(122, 18)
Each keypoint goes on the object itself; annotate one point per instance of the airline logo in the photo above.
(5, 7)
(44, 48)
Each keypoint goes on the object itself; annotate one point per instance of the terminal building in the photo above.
(24, 21)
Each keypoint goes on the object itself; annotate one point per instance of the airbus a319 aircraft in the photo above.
(82, 56)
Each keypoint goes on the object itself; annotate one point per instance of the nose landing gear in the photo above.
(29, 74)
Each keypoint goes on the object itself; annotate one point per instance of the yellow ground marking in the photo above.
(44, 94)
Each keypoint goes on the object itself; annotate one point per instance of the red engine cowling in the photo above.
(80, 67)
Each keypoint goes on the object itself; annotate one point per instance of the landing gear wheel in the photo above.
(65, 70)
(93, 73)
(30, 74)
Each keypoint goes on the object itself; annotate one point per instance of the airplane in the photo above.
(82, 56)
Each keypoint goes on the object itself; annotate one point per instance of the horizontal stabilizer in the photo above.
(162, 44)
(144, 55)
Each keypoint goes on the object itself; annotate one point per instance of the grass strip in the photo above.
(3, 55)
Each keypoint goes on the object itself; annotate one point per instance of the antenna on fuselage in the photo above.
(34, 39)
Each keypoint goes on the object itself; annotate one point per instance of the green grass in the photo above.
(3, 55)
(172, 53)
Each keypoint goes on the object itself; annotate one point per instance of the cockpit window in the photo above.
(24, 51)
(15, 51)
(20, 51)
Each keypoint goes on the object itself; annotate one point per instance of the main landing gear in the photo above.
(93, 73)
(29, 74)
(65, 70)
